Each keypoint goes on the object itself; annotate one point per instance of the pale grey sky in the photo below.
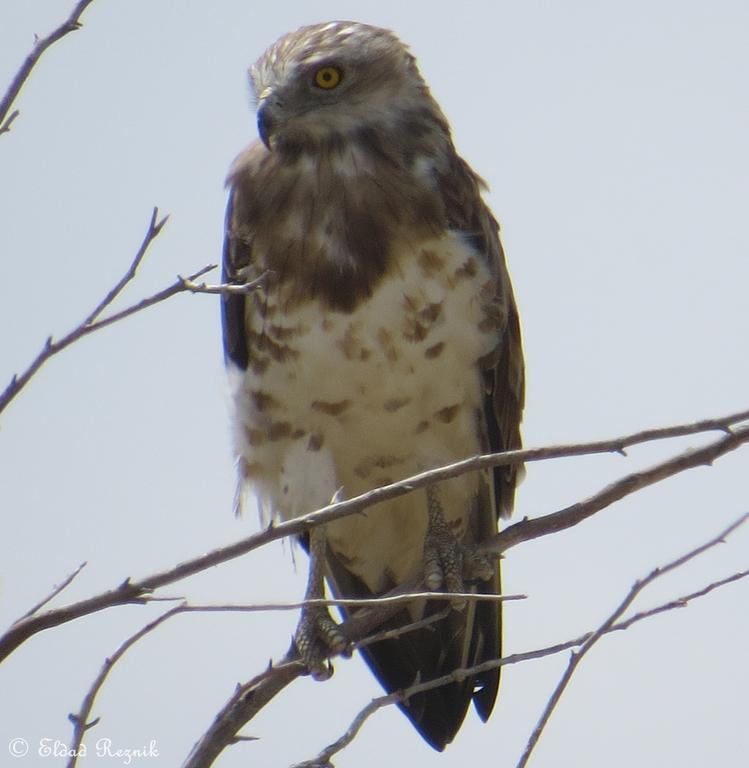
(614, 139)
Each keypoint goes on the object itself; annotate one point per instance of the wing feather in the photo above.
(233, 306)
(503, 374)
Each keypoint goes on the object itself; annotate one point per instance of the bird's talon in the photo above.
(317, 638)
(477, 566)
(443, 563)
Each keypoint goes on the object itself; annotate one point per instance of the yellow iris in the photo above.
(327, 77)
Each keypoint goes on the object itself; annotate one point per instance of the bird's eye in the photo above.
(328, 77)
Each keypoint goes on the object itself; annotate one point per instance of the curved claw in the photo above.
(317, 638)
(477, 566)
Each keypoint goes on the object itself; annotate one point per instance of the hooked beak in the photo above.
(265, 122)
(267, 118)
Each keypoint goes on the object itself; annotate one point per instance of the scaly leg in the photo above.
(448, 562)
(317, 636)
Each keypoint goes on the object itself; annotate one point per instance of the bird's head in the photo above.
(333, 79)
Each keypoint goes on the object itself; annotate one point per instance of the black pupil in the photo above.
(327, 76)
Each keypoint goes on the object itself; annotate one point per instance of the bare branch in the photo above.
(288, 670)
(154, 228)
(224, 289)
(681, 602)
(240, 710)
(322, 760)
(364, 602)
(93, 321)
(391, 634)
(166, 293)
(5, 127)
(139, 592)
(528, 529)
(251, 697)
(40, 46)
(637, 587)
(81, 722)
(55, 592)
(244, 704)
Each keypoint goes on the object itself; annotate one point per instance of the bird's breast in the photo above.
(354, 400)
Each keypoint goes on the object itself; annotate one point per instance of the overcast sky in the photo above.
(614, 138)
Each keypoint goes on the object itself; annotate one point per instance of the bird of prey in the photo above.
(382, 340)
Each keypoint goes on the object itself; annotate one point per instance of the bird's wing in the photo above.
(236, 255)
(238, 268)
(503, 371)
(237, 260)
(503, 374)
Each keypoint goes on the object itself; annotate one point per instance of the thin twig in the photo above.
(364, 602)
(40, 46)
(395, 632)
(528, 529)
(55, 592)
(5, 127)
(93, 322)
(681, 602)
(81, 722)
(322, 760)
(252, 697)
(139, 591)
(246, 701)
(224, 289)
(637, 587)
(165, 293)
(154, 228)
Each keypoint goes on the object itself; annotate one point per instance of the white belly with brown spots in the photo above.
(351, 401)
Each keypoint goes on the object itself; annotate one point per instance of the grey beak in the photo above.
(265, 123)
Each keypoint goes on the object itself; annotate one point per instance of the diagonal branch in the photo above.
(178, 286)
(288, 670)
(72, 23)
(139, 591)
(390, 600)
(64, 584)
(154, 228)
(93, 321)
(584, 642)
(528, 529)
(80, 720)
(246, 701)
(249, 699)
(637, 587)
(223, 289)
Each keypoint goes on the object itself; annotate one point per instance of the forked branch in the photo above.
(140, 591)
(613, 623)
(610, 624)
(70, 24)
(95, 322)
